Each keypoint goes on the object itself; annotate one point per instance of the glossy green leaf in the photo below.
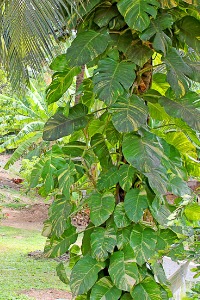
(185, 108)
(103, 241)
(120, 217)
(60, 211)
(138, 54)
(86, 46)
(86, 245)
(85, 274)
(74, 149)
(108, 179)
(161, 41)
(192, 212)
(146, 154)
(137, 14)
(178, 72)
(60, 63)
(135, 203)
(126, 175)
(100, 148)
(66, 179)
(123, 237)
(61, 81)
(101, 207)
(112, 78)
(123, 269)
(189, 32)
(95, 126)
(128, 114)
(143, 241)
(159, 272)
(56, 246)
(105, 289)
(165, 239)
(60, 269)
(104, 14)
(147, 289)
(59, 126)
(178, 187)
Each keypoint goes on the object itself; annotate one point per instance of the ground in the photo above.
(22, 225)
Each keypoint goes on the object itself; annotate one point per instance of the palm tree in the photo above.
(29, 29)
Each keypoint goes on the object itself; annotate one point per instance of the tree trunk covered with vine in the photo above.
(132, 138)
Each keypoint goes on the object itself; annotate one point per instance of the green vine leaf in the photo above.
(61, 81)
(120, 218)
(128, 114)
(60, 63)
(147, 289)
(137, 13)
(105, 289)
(59, 126)
(123, 237)
(178, 72)
(165, 239)
(192, 212)
(101, 207)
(56, 246)
(85, 274)
(143, 241)
(103, 241)
(126, 175)
(123, 269)
(108, 179)
(60, 269)
(135, 203)
(161, 41)
(112, 78)
(60, 211)
(86, 47)
(185, 108)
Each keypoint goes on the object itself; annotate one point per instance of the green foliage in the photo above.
(131, 140)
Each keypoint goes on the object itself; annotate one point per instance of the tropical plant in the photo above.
(22, 122)
(132, 138)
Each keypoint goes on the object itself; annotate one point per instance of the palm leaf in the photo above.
(28, 30)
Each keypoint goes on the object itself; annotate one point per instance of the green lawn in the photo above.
(18, 271)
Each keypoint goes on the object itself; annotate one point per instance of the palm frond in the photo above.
(28, 31)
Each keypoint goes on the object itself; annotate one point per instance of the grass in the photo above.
(20, 272)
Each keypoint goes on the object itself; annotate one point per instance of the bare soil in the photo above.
(48, 294)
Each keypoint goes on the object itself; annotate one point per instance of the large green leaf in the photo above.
(135, 203)
(126, 175)
(178, 72)
(112, 78)
(189, 32)
(101, 207)
(59, 126)
(178, 187)
(65, 178)
(103, 241)
(105, 289)
(60, 211)
(60, 63)
(108, 179)
(104, 14)
(120, 217)
(123, 269)
(85, 274)
(185, 108)
(61, 81)
(137, 13)
(160, 41)
(100, 149)
(128, 114)
(60, 270)
(86, 46)
(123, 237)
(142, 152)
(143, 241)
(56, 246)
(148, 289)
(165, 239)
(192, 212)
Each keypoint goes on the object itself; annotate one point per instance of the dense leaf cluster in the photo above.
(131, 139)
